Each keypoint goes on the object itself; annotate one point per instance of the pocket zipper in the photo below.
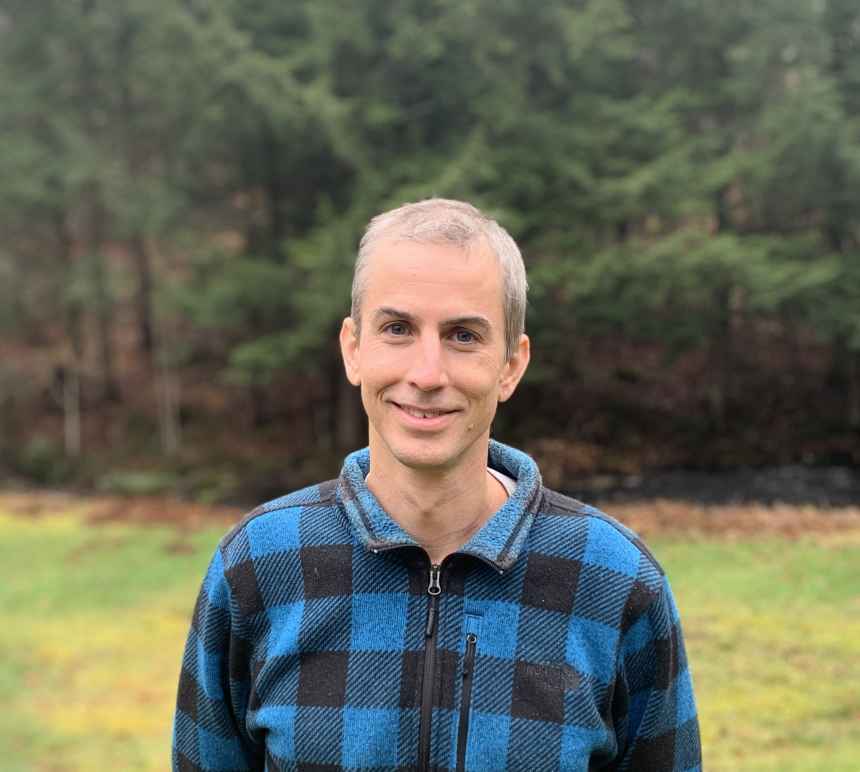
(465, 704)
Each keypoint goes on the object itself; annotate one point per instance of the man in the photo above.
(435, 606)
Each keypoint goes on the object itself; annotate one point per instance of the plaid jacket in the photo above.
(323, 639)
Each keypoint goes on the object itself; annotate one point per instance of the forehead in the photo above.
(431, 277)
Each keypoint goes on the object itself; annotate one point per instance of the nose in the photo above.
(427, 370)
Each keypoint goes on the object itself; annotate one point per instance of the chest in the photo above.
(492, 672)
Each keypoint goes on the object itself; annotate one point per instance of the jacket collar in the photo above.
(499, 542)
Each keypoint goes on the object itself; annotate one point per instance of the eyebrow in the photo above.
(386, 312)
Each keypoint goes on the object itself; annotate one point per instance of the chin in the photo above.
(425, 458)
(432, 453)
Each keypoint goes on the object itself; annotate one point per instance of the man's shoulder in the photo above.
(323, 493)
(277, 520)
(592, 536)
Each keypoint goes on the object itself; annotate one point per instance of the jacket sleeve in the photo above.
(655, 711)
(209, 724)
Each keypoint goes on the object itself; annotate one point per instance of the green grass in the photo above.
(95, 617)
(94, 620)
(773, 637)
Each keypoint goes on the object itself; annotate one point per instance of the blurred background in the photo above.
(183, 184)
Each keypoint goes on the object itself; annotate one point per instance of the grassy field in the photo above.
(95, 616)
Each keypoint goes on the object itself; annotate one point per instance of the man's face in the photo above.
(430, 357)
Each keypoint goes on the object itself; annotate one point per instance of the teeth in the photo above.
(423, 413)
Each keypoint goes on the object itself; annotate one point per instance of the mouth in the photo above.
(427, 415)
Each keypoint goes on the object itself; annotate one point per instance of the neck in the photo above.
(440, 509)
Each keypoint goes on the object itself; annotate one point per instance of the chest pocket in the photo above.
(472, 631)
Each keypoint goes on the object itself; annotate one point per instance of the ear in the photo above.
(514, 369)
(349, 350)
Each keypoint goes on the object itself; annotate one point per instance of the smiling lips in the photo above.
(425, 415)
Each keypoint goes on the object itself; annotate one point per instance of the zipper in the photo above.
(466, 701)
(434, 589)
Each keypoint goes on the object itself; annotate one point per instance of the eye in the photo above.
(398, 329)
(465, 336)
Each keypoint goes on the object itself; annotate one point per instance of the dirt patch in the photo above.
(155, 510)
(665, 517)
(39, 503)
(160, 510)
(659, 516)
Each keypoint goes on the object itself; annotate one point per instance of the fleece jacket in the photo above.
(324, 639)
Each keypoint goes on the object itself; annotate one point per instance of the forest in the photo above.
(183, 184)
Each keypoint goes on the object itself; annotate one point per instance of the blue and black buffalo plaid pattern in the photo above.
(556, 642)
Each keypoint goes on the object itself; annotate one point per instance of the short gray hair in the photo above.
(445, 221)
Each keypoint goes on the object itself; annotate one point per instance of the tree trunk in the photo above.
(91, 104)
(729, 311)
(72, 412)
(259, 405)
(143, 297)
(103, 301)
(722, 354)
(854, 389)
(167, 388)
(72, 311)
(845, 377)
(719, 363)
(72, 366)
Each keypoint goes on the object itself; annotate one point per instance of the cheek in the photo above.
(381, 363)
(482, 379)
(381, 377)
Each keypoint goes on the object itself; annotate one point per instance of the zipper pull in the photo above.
(469, 658)
(433, 590)
(434, 587)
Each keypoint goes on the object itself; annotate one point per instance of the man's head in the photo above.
(431, 341)
(458, 224)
